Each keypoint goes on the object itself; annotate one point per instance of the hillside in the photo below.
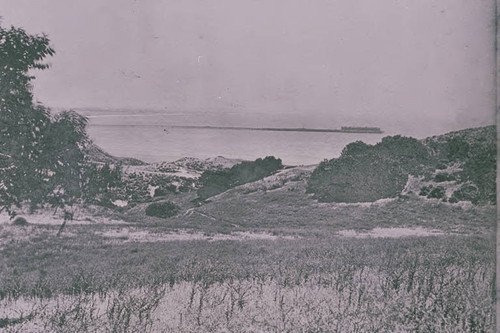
(142, 183)
(97, 155)
(457, 166)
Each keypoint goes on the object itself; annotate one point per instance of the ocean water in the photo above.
(148, 137)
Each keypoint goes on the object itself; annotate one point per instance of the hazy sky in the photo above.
(413, 63)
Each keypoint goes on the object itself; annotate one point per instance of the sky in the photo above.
(426, 64)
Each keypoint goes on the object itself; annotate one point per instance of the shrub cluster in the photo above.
(480, 169)
(444, 177)
(162, 209)
(215, 182)
(475, 150)
(437, 192)
(368, 173)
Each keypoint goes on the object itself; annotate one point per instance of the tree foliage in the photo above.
(99, 182)
(41, 155)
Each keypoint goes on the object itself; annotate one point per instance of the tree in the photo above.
(41, 155)
(99, 182)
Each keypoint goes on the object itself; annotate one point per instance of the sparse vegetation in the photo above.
(466, 192)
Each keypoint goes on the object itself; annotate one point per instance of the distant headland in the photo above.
(343, 129)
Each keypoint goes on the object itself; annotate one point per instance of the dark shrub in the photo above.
(160, 192)
(162, 209)
(20, 221)
(475, 150)
(368, 173)
(444, 177)
(131, 161)
(354, 148)
(406, 148)
(215, 182)
(437, 193)
(425, 190)
(480, 168)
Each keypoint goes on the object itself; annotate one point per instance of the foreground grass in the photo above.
(315, 282)
(261, 206)
(310, 284)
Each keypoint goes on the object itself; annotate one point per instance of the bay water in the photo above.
(150, 137)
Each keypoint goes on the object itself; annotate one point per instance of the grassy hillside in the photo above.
(304, 276)
(457, 166)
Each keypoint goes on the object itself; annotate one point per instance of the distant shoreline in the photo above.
(365, 130)
(277, 129)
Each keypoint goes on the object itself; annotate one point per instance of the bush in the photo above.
(438, 193)
(215, 182)
(475, 150)
(20, 221)
(162, 209)
(161, 192)
(367, 173)
(355, 148)
(444, 177)
(480, 169)
(425, 190)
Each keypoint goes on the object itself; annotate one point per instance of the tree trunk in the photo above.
(67, 217)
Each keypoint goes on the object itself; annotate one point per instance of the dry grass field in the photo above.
(262, 257)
